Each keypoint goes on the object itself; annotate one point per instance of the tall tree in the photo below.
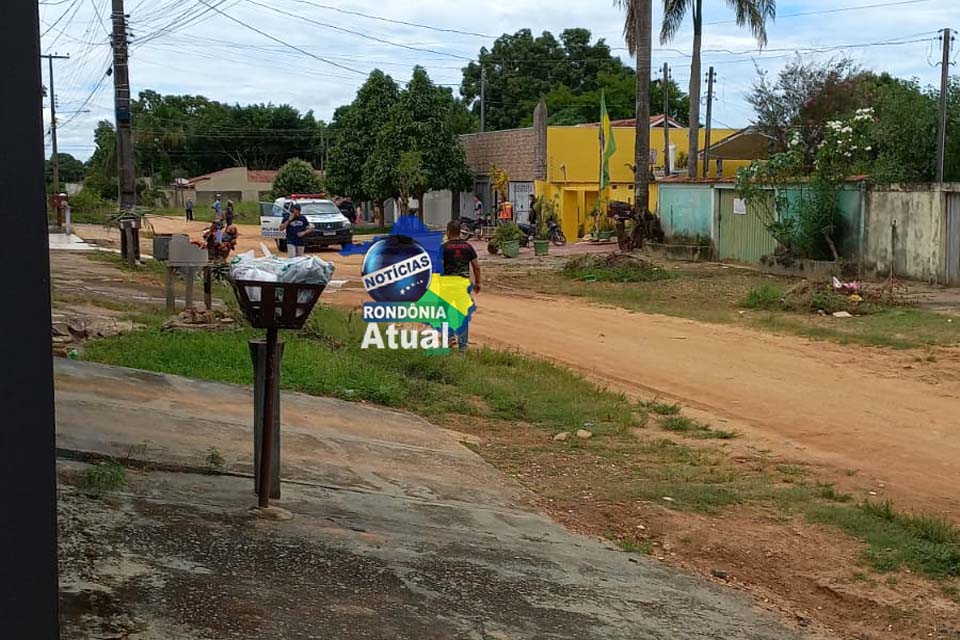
(566, 107)
(520, 68)
(750, 13)
(71, 169)
(637, 24)
(417, 132)
(355, 128)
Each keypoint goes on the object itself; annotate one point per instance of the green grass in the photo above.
(694, 429)
(326, 359)
(630, 545)
(661, 408)
(103, 478)
(927, 544)
(716, 295)
(765, 296)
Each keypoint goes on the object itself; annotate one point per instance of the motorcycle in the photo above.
(473, 227)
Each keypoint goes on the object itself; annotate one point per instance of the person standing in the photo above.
(228, 216)
(533, 214)
(459, 258)
(506, 212)
(189, 208)
(297, 228)
(217, 209)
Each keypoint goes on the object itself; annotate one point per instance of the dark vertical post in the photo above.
(665, 86)
(258, 354)
(944, 88)
(266, 442)
(208, 289)
(483, 97)
(121, 98)
(28, 533)
(706, 142)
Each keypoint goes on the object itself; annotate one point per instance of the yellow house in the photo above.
(573, 166)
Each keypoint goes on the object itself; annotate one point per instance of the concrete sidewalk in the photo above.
(400, 532)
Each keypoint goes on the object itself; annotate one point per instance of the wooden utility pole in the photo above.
(121, 98)
(711, 76)
(944, 87)
(666, 119)
(483, 97)
(54, 158)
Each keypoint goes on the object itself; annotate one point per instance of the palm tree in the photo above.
(636, 31)
(749, 13)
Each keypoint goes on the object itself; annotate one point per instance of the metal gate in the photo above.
(952, 247)
(743, 235)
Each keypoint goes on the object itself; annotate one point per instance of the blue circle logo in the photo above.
(396, 269)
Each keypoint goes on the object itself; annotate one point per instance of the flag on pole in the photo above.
(608, 146)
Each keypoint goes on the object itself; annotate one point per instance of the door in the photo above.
(743, 234)
(952, 248)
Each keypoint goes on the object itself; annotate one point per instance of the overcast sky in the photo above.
(187, 47)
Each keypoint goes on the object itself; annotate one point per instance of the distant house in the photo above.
(235, 183)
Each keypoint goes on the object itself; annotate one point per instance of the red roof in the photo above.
(255, 176)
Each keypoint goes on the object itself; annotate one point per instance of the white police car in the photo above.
(330, 226)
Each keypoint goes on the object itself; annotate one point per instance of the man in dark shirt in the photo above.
(459, 257)
(297, 228)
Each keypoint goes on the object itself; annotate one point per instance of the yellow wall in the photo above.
(573, 168)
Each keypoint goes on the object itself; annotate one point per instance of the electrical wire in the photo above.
(401, 22)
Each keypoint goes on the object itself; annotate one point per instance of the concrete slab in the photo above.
(64, 242)
(400, 532)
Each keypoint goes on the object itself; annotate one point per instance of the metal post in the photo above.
(68, 229)
(258, 354)
(121, 97)
(666, 119)
(706, 142)
(483, 97)
(944, 87)
(54, 159)
(270, 404)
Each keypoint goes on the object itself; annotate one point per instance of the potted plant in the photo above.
(605, 228)
(506, 240)
(546, 211)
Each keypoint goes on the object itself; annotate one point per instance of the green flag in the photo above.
(608, 145)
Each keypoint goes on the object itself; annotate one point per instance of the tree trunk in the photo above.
(378, 211)
(419, 196)
(641, 179)
(693, 149)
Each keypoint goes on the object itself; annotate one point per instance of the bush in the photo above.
(612, 267)
(766, 296)
(296, 176)
(507, 233)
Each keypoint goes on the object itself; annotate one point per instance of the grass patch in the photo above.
(326, 359)
(630, 545)
(765, 296)
(661, 408)
(694, 429)
(214, 459)
(927, 544)
(103, 478)
(612, 267)
(153, 267)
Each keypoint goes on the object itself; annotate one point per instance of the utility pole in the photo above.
(121, 99)
(666, 119)
(483, 97)
(711, 76)
(53, 122)
(944, 81)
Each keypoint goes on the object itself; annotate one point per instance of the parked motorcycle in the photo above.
(473, 227)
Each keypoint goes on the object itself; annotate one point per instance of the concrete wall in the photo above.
(687, 209)
(904, 228)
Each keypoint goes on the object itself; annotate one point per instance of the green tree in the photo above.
(296, 176)
(411, 178)
(71, 169)
(520, 68)
(568, 108)
(102, 166)
(748, 13)
(355, 128)
(637, 23)
(417, 122)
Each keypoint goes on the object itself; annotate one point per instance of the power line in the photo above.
(836, 10)
(358, 33)
(275, 39)
(403, 22)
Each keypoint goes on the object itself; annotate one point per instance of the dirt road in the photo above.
(872, 418)
(842, 407)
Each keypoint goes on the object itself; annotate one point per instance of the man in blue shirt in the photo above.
(217, 209)
(297, 228)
